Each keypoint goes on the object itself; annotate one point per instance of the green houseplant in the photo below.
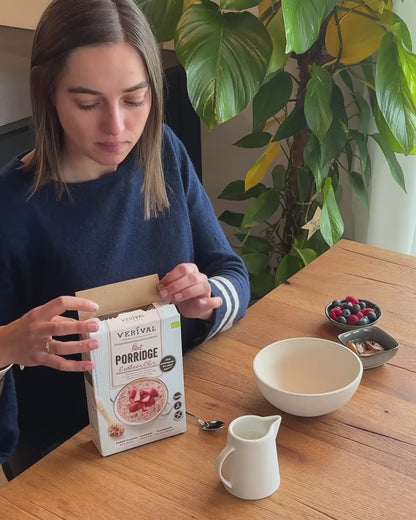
(325, 77)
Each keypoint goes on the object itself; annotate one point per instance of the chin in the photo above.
(111, 159)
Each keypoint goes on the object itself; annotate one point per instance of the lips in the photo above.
(112, 147)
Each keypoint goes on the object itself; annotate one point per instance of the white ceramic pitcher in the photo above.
(248, 465)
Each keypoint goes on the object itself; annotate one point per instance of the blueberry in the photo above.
(363, 305)
(363, 321)
(334, 307)
(371, 316)
(336, 303)
(346, 313)
(355, 308)
(341, 319)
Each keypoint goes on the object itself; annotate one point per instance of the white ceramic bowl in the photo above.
(307, 376)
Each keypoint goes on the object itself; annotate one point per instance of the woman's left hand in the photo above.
(190, 291)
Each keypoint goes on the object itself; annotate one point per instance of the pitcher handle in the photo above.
(220, 461)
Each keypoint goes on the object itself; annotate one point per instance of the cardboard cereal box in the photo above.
(135, 393)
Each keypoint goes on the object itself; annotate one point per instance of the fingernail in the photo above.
(93, 344)
(179, 297)
(89, 366)
(163, 293)
(94, 306)
(93, 326)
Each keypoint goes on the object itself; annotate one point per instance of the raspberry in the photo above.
(335, 313)
(366, 310)
(353, 300)
(353, 319)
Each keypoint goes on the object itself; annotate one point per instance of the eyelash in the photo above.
(133, 104)
(86, 107)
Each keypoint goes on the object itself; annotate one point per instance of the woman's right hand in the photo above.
(29, 340)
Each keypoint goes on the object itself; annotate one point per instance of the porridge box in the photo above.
(135, 393)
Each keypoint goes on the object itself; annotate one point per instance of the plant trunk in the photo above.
(292, 227)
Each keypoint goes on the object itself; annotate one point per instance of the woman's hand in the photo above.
(28, 340)
(190, 291)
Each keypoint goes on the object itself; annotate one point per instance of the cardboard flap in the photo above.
(122, 296)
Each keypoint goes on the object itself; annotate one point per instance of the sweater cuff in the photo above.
(225, 316)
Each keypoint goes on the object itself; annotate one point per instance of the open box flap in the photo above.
(121, 296)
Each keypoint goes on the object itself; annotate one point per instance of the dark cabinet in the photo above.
(179, 113)
(15, 139)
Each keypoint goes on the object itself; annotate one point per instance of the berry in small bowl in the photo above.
(352, 313)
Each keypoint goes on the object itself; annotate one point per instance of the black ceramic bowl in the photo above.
(346, 326)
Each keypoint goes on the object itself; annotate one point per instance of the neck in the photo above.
(73, 170)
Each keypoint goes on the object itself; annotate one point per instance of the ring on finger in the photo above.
(48, 345)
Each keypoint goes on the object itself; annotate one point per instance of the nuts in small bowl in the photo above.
(352, 313)
(373, 345)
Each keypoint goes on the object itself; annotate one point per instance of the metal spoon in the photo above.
(207, 425)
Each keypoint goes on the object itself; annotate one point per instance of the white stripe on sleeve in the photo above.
(232, 302)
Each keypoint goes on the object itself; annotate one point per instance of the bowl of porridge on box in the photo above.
(141, 401)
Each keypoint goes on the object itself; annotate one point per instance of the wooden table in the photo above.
(356, 463)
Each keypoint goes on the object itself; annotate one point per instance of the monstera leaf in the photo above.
(163, 16)
(225, 56)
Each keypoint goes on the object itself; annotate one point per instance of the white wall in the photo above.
(21, 13)
(222, 162)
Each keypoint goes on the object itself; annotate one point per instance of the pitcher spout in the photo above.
(273, 421)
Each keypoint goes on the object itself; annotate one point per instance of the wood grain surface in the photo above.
(357, 463)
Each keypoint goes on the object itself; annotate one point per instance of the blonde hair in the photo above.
(64, 26)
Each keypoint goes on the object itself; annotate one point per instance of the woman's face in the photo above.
(103, 100)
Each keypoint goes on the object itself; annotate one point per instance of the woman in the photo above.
(108, 194)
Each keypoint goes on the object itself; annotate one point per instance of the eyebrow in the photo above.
(85, 90)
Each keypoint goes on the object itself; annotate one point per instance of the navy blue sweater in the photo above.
(8, 418)
(98, 235)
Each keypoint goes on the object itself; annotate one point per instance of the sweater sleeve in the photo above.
(8, 418)
(213, 254)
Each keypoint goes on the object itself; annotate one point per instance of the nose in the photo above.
(113, 122)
